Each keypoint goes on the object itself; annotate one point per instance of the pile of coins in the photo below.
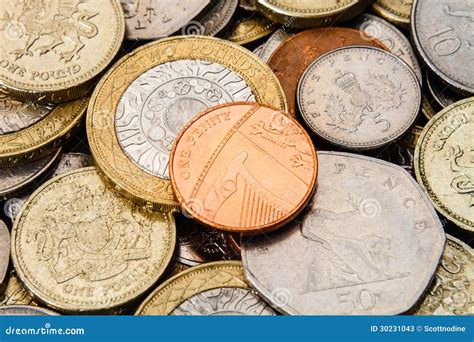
(316, 158)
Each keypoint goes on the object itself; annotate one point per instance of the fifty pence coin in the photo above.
(442, 33)
(396, 11)
(391, 37)
(295, 54)
(359, 97)
(4, 252)
(131, 135)
(25, 310)
(155, 19)
(91, 251)
(53, 53)
(216, 288)
(452, 292)
(444, 162)
(220, 166)
(368, 245)
(440, 92)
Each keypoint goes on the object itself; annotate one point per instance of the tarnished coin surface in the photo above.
(220, 166)
(162, 85)
(80, 248)
(369, 244)
(396, 11)
(53, 52)
(16, 179)
(210, 286)
(213, 21)
(25, 310)
(391, 37)
(224, 301)
(452, 292)
(4, 252)
(153, 19)
(441, 93)
(15, 292)
(359, 97)
(444, 162)
(442, 33)
(295, 54)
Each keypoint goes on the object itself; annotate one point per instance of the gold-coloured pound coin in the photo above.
(78, 247)
(396, 11)
(444, 162)
(250, 29)
(139, 106)
(52, 51)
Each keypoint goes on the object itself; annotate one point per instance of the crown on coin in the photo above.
(345, 80)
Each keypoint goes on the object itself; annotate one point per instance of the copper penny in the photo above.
(243, 167)
(296, 53)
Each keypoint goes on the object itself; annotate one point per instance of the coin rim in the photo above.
(28, 307)
(391, 14)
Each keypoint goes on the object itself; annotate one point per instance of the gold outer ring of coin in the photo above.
(39, 139)
(191, 282)
(113, 305)
(418, 165)
(126, 177)
(283, 13)
(69, 88)
(391, 14)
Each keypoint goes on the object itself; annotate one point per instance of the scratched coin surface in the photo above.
(52, 52)
(160, 86)
(153, 19)
(295, 54)
(210, 286)
(24, 310)
(444, 162)
(359, 97)
(442, 33)
(391, 37)
(225, 301)
(4, 252)
(396, 11)
(78, 247)
(440, 92)
(220, 166)
(452, 292)
(18, 178)
(368, 245)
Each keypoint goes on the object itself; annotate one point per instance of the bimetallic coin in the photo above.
(155, 19)
(250, 29)
(25, 310)
(15, 293)
(208, 286)
(310, 13)
(220, 166)
(213, 21)
(18, 178)
(359, 97)
(442, 33)
(391, 37)
(440, 92)
(275, 40)
(295, 54)
(368, 245)
(160, 86)
(224, 301)
(396, 11)
(452, 292)
(444, 160)
(78, 247)
(35, 139)
(53, 53)
(4, 252)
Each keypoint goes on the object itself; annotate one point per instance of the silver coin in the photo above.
(258, 50)
(391, 37)
(152, 19)
(198, 244)
(368, 245)
(359, 97)
(213, 21)
(16, 179)
(68, 162)
(441, 93)
(224, 301)
(277, 37)
(25, 310)
(15, 115)
(442, 31)
(156, 105)
(4, 251)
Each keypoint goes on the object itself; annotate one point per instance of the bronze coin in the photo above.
(296, 53)
(243, 167)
